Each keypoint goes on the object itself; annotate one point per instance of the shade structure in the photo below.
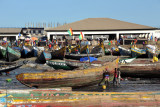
(34, 38)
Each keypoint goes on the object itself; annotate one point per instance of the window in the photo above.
(39, 31)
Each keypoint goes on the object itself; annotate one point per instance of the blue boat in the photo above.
(44, 56)
(35, 51)
(151, 51)
(25, 52)
(137, 52)
(17, 48)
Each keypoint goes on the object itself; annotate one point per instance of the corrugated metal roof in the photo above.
(100, 24)
(10, 30)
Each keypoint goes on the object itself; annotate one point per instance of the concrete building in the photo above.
(33, 32)
(93, 28)
(9, 34)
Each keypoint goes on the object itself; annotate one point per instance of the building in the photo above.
(94, 28)
(10, 34)
(33, 32)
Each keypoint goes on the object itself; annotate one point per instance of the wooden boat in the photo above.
(35, 51)
(95, 52)
(58, 54)
(25, 52)
(115, 51)
(141, 68)
(44, 56)
(17, 48)
(124, 52)
(58, 64)
(73, 50)
(2, 52)
(58, 97)
(137, 52)
(126, 60)
(98, 49)
(107, 51)
(83, 50)
(151, 51)
(76, 64)
(74, 78)
(8, 66)
(12, 55)
(78, 56)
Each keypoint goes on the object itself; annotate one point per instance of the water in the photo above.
(127, 85)
(15, 84)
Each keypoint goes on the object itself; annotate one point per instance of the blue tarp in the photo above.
(86, 59)
(17, 48)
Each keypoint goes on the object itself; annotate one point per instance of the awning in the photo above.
(34, 38)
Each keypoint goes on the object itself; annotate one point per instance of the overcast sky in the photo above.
(17, 13)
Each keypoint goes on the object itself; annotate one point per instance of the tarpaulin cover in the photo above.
(17, 48)
(86, 59)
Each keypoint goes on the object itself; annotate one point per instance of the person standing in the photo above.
(115, 77)
(156, 40)
(118, 77)
(49, 46)
(105, 78)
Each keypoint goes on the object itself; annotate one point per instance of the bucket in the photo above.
(104, 86)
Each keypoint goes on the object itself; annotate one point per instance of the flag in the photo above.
(70, 32)
(81, 36)
(151, 37)
(19, 34)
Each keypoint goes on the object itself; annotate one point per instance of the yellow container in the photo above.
(104, 86)
(155, 59)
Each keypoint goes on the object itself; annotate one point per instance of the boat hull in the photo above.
(138, 52)
(141, 68)
(58, 65)
(124, 51)
(12, 55)
(59, 54)
(74, 79)
(2, 52)
(44, 56)
(78, 56)
(150, 53)
(25, 52)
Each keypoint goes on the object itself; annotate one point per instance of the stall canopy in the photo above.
(34, 38)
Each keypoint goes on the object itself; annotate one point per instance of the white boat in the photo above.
(126, 60)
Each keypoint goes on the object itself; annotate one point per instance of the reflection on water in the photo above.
(126, 85)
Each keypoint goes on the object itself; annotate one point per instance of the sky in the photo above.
(17, 13)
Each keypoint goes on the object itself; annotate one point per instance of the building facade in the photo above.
(10, 34)
(94, 28)
(33, 32)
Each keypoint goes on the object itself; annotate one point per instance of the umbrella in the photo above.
(34, 38)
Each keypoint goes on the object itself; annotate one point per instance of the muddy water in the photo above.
(138, 84)
(127, 84)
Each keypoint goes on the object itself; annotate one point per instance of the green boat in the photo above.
(12, 55)
(2, 52)
(58, 64)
